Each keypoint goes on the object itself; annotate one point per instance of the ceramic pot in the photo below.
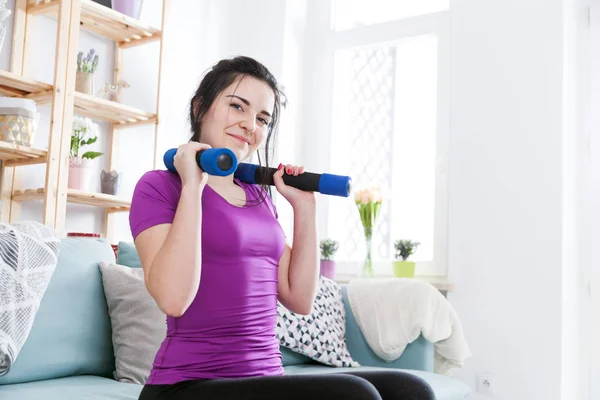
(131, 8)
(84, 83)
(109, 182)
(80, 174)
(404, 269)
(328, 269)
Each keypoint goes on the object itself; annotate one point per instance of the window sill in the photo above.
(441, 283)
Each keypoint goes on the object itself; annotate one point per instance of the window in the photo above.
(389, 127)
(350, 14)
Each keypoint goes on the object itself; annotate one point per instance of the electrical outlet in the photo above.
(486, 383)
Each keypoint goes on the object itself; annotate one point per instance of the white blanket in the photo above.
(28, 257)
(392, 313)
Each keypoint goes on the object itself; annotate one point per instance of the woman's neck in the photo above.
(220, 181)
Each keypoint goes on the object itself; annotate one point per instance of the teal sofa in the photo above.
(69, 352)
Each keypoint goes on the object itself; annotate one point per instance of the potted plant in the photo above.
(328, 249)
(85, 133)
(402, 267)
(86, 67)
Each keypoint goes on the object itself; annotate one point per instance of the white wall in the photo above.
(594, 120)
(514, 194)
(577, 209)
(185, 62)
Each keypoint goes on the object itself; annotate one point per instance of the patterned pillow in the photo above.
(322, 334)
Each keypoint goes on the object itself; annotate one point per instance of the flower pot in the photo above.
(84, 83)
(80, 174)
(404, 269)
(328, 269)
(131, 8)
(109, 182)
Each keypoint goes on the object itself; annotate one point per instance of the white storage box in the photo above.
(18, 120)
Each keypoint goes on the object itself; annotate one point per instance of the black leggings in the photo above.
(363, 385)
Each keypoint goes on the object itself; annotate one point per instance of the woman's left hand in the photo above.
(295, 197)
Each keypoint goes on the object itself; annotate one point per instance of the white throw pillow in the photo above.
(138, 325)
(321, 335)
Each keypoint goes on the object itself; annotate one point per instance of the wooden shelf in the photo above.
(13, 85)
(14, 154)
(103, 21)
(113, 203)
(117, 113)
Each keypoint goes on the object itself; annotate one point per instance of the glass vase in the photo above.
(367, 269)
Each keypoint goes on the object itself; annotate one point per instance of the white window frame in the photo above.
(595, 200)
(323, 42)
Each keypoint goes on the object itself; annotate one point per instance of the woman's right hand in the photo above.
(186, 165)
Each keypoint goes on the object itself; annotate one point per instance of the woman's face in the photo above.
(239, 117)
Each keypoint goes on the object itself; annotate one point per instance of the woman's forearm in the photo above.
(174, 275)
(304, 258)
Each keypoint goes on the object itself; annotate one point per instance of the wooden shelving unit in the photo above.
(72, 16)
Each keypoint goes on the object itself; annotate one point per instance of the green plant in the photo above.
(328, 249)
(405, 248)
(85, 133)
(87, 64)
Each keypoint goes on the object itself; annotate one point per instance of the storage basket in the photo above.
(18, 120)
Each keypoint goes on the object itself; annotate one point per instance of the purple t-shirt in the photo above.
(229, 329)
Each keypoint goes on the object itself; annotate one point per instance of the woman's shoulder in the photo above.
(158, 177)
(154, 200)
(163, 183)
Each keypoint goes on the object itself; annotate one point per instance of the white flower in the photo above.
(369, 195)
(85, 125)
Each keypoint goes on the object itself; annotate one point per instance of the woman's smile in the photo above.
(239, 138)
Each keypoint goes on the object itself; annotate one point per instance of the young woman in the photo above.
(216, 261)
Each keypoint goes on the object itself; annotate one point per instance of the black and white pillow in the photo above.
(322, 334)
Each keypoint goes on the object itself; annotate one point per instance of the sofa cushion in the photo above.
(127, 255)
(321, 335)
(444, 387)
(138, 325)
(72, 388)
(29, 254)
(71, 334)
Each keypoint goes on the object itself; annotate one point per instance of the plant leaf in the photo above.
(91, 154)
(91, 140)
